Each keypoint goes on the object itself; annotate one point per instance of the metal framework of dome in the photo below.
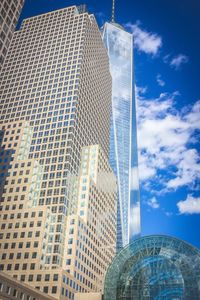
(154, 268)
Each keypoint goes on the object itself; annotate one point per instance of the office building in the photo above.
(91, 228)
(123, 134)
(12, 289)
(55, 104)
(9, 13)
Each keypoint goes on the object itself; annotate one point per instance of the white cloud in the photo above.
(166, 58)
(160, 81)
(153, 203)
(145, 169)
(140, 90)
(189, 206)
(179, 60)
(167, 145)
(188, 171)
(145, 41)
(168, 214)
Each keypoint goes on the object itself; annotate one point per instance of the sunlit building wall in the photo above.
(123, 135)
(55, 99)
(9, 13)
(91, 229)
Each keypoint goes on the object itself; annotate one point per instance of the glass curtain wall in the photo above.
(123, 139)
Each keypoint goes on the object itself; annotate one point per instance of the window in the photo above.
(20, 245)
(30, 277)
(22, 278)
(45, 289)
(71, 231)
(47, 277)
(54, 289)
(34, 254)
(55, 277)
(28, 244)
(69, 251)
(11, 255)
(35, 245)
(39, 277)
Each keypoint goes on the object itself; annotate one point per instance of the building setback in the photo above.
(56, 99)
(9, 13)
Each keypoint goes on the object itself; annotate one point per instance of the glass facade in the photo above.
(154, 268)
(123, 140)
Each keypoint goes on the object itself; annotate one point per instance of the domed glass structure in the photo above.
(154, 268)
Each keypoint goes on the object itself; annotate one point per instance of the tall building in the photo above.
(57, 212)
(9, 13)
(92, 224)
(123, 134)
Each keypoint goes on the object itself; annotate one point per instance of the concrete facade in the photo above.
(55, 101)
(10, 12)
(90, 296)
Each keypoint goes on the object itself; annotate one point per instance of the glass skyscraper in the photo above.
(123, 136)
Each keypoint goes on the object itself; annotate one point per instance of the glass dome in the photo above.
(154, 268)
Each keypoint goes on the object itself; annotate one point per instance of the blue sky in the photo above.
(167, 47)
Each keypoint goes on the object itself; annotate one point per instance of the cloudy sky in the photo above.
(167, 47)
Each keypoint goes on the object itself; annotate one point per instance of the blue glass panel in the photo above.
(154, 268)
(123, 136)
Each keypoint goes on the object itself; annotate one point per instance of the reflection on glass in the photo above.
(123, 139)
(154, 267)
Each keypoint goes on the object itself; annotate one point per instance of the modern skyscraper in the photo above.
(57, 220)
(9, 14)
(123, 134)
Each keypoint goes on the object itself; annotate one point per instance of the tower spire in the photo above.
(113, 11)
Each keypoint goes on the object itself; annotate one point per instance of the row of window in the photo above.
(23, 234)
(20, 245)
(18, 255)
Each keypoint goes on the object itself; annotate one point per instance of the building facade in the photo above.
(123, 134)
(12, 289)
(9, 14)
(56, 99)
(91, 228)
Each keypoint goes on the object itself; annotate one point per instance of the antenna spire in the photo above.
(113, 11)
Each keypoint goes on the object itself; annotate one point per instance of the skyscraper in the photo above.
(123, 135)
(56, 99)
(9, 14)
